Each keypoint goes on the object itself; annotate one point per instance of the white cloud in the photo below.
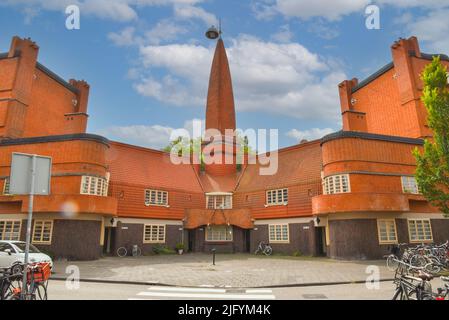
(275, 78)
(432, 30)
(284, 35)
(193, 12)
(118, 10)
(123, 38)
(164, 30)
(152, 136)
(329, 9)
(310, 134)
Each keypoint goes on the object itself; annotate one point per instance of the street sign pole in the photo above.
(29, 222)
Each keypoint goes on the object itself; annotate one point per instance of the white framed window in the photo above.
(420, 230)
(218, 201)
(154, 233)
(409, 185)
(156, 198)
(387, 232)
(10, 230)
(42, 231)
(277, 197)
(6, 187)
(336, 184)
(219, 233)
(279, 233)
(95, 186)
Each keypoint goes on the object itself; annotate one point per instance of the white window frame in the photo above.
(6, 187)
(95, 186)
(276, 197)
(158, 194)
(410, 185)
(41, 237)
(152, 233)
(223, 197)
(388, 232)
(334, 184)
(416, 227)
(276, 233)
(228, 233)
(13, 222)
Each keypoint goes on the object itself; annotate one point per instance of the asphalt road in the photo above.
(58, 290)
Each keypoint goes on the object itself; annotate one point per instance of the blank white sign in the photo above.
(20, 179)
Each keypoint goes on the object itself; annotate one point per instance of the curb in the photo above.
(144, 283)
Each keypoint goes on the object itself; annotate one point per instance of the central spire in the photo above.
(220, 112)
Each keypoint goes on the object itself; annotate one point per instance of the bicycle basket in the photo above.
(41, 272)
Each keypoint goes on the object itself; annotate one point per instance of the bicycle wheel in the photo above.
(40, 291)
(137, 252)
(121, 252)
(268, 251)
(418, 261)
(392, 263)
(11, 288)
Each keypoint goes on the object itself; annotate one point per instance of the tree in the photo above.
(432, 172)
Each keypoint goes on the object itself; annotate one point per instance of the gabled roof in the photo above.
(212, 183)
(297, 164)
(150, 168)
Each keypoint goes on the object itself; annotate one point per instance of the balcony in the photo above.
(76, 203)
(358, 202)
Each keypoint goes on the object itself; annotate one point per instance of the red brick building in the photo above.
(349, 195)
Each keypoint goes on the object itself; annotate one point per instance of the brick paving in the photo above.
(231, 270)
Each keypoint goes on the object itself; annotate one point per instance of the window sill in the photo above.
(388, 242)
(279, 242)
(276, 204)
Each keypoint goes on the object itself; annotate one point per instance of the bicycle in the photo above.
(264, 248)
(135, 251)
(411, 287)
(11, 284)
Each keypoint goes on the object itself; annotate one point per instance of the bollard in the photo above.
(213, 256)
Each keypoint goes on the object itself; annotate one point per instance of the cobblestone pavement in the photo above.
(231, 270)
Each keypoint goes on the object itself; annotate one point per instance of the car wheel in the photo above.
(16, 269)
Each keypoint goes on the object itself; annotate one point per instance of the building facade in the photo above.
(349, 195)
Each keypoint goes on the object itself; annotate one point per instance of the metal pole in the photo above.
(29, 221)
(213, 256)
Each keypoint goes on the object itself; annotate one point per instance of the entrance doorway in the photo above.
(109, 235)
(247, 240)
(191, 241)
(320, 240)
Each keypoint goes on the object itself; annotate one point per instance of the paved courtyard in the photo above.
(231, 270)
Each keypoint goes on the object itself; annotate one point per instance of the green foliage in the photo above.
(297, 253)
(432, 173)
(159, 249)
(179, 246)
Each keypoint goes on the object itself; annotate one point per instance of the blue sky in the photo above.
(147, 61)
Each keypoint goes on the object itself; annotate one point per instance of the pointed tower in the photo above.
(220, 114)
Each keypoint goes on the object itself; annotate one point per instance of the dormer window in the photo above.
(156, 198)
(277, 197)
(219, 201)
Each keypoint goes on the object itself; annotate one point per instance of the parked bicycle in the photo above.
(433, 258)
(264, 248)
(11, 284)
(134, 250)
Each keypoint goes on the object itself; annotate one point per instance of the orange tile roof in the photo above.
(150, 168)
(297, 164)
(211, 183)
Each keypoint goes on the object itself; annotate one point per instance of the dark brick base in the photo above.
(302, 239)
(197, 240)
(126, 235)
(72, 240)
(358, 238)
